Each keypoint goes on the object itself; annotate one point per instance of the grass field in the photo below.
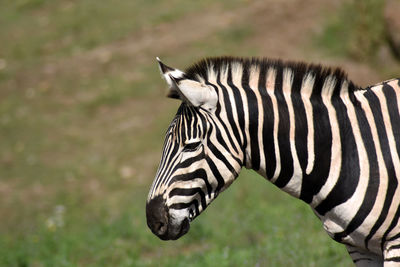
(82, 118)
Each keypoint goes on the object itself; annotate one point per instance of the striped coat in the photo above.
(307, 129)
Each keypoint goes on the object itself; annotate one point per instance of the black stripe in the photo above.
(301, 127)
(394, 237)
(190, 161)
(391, 102)
(217, 176)
(189, 118)
(373, 179)
(350, 169)
(394, 259)
(199, 173)
(190, 192)
(193, 121)
(181, 206)
(268, 137)
(229, 114)
(283, 133)
(313, 182)
(253, 118)
(202, 126)
(182, 127)
(394, 247)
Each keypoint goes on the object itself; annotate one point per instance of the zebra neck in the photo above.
(293, 129)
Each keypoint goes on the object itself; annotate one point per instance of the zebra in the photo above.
(307, 129)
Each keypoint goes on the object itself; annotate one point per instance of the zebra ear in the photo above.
(168, 74)
(192, 92)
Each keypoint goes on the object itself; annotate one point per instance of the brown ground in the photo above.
(283, 29)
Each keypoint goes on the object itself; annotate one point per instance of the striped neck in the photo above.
(281, 115)
(289, 135)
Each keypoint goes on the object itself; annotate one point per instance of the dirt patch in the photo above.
(286, 30)
(282, 29)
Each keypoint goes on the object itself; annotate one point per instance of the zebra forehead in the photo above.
(184, 119)
(209, 68)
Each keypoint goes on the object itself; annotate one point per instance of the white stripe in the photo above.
(162, 168)
(306, 91)
(270, 86)
(294, 185)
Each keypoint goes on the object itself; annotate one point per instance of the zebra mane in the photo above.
(216, 65)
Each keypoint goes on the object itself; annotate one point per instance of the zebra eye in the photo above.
(191, 146)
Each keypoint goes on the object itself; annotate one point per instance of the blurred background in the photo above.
(83, 114)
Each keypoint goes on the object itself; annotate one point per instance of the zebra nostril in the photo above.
(161, 228)
(157, 216)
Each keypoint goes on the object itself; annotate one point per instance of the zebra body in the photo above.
(308, 130)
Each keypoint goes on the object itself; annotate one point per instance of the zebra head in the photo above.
(196, 163)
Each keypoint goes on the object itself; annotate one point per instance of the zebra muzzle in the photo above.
(160, 223)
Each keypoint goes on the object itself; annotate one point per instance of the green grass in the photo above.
(82, 119)
(356, 31)
(251, 223)
(67, 27)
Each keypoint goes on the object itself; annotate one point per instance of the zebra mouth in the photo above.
(185, 226)
(175, 232)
